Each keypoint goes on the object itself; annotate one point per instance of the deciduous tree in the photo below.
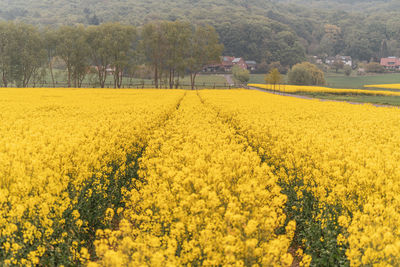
(306, 74)
(27, 54)
(374, 67)
(6, 29)
(177, 44)
(240, 75)
(73, 48)
(274, 77)
(110, 47)
(123, 50)
(338, 65)
(204, 48)
(153, 45)
(50, 45)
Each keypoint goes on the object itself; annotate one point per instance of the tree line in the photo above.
(265, 31)
(169, 49)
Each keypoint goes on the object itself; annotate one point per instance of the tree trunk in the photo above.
(5, 82)
(117, 77)
(51, 73)
(177, 83)
(156, 76)
(27, 77)
(160, 79)
(74, 76)
(69, 76)
(170, 79)
(120, 77)
(80, 81)
(193, 80)
(173, 78)
(101, 80)
(102, 73)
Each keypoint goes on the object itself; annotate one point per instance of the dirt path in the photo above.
(320, 99)
(229, 79)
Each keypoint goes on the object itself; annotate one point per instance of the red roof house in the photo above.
(390, 62)
(227, 63)
(240, 62)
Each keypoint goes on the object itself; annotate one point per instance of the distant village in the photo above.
(389, 63)
(386, 63)
(228, 62)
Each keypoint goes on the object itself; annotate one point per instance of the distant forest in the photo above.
(268, 31)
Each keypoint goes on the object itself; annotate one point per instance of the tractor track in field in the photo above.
(287, 188)
(229, 79)
(97, 203)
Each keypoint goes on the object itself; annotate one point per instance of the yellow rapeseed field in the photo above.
(98, 177)
(57, 149)
(342, 162)
(388, 86)
(318, 89)
(208, 200)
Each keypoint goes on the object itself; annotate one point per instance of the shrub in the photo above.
(306, 74)
(374, 67)
(241, 75)
(347, 70)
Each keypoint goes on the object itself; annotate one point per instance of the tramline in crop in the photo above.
(207, 200)
(64, 154)
(337, 163)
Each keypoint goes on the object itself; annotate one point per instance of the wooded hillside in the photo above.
(261, 30)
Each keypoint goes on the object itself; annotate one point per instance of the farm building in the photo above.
(227, 64)
(240, 62)
(251, 65)
(390, 63)
(347, 60)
